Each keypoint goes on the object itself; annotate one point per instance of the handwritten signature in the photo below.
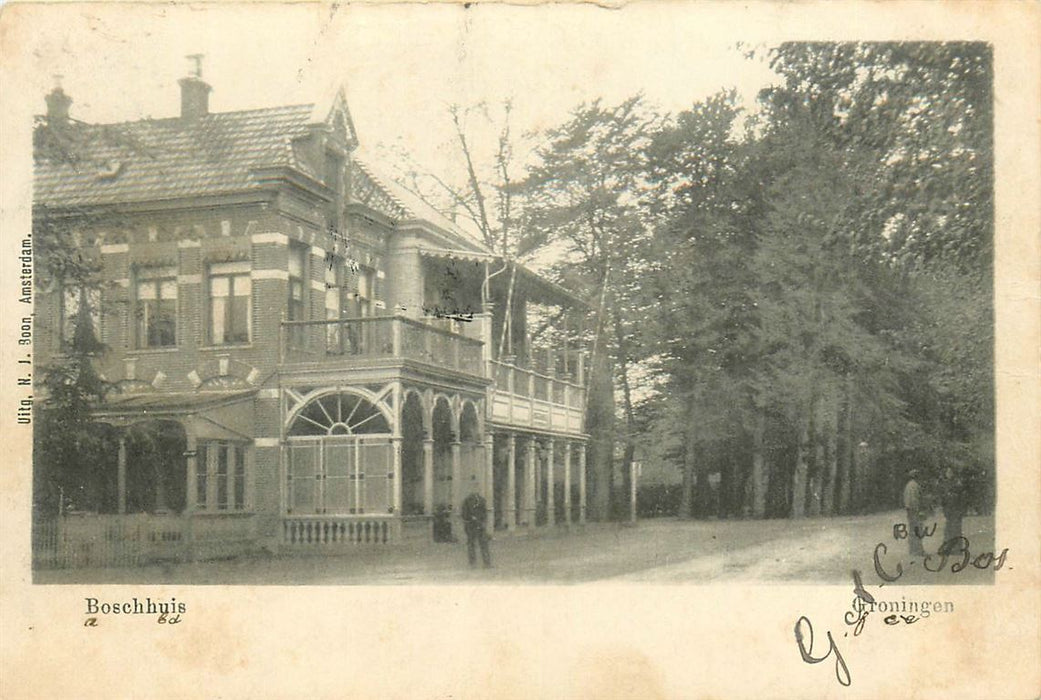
(864, 602)
(806, 650)
(954, 547)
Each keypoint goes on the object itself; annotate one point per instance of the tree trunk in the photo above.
(622, 506)
(600, 423)
(687, 484)
(828, 505)
(702, 487)
(850, 487)
(799, 476)
(727, 483)
(813, 463)
(739, 502)
(622, 347)
(759, 471)
(841, 486)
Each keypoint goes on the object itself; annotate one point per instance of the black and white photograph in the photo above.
(469, 302)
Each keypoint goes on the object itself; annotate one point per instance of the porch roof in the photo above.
(546, 290)
(169, 403)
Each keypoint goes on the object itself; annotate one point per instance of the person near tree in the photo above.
(954, 502)
(475, 513)
(913, 505)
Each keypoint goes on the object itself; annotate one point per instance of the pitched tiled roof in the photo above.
(162, 159)
(158, 159)
(401, 204)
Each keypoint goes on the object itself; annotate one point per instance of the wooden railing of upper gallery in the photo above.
(546, 396)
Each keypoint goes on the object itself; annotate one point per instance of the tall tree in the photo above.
(580, 202)
(925, 110)
(794, 264)
(69, 450)
(701, 206)
(922, 113)
(808, 298)
(482, 190)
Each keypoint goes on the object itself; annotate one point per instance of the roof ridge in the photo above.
(153, 120)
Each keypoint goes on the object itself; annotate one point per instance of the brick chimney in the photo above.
(195, 93)
(57, 105)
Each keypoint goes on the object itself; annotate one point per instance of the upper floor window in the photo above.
(229, 299)
(73, 300)
(333, 288)
(364, 292)
(295, 307)
(297, 267)
(155, 297)
(333, 303)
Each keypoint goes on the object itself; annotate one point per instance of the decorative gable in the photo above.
(334, 113)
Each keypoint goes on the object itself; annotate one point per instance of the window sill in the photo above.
(229, 346)
(153, 351)
(222, 513)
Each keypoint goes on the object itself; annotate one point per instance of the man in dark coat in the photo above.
(914, 505)
(954, 502)
(475, 513)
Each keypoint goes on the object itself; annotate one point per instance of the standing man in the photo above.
(913, 506)
(475, 513)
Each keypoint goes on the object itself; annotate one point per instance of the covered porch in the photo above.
(379, 463)
(173, 482)
(539, 480)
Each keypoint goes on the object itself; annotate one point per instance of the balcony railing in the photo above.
(547, 396)
(378, 338)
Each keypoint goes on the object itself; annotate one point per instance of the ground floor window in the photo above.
(220, 476)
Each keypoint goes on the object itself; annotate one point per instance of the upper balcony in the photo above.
(378, 341)
(544, 393)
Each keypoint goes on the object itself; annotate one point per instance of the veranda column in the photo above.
(121, 474)
(489, 476)
(396, 490)
(529, 484)
(428, 476)
(511, 482)
(551, 506)
(567, 482)
(457, 477)
(536, 493)
(190, 495)
(192, 469)
(582, 483)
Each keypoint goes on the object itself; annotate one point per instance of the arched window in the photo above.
(339, 413)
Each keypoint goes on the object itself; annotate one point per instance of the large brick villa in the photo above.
(303, 354)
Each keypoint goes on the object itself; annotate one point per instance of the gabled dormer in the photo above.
(324, 151)
(336, 117)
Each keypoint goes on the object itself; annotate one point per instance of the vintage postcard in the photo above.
(551, 350)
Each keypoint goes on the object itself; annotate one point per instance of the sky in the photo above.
(402, 65)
